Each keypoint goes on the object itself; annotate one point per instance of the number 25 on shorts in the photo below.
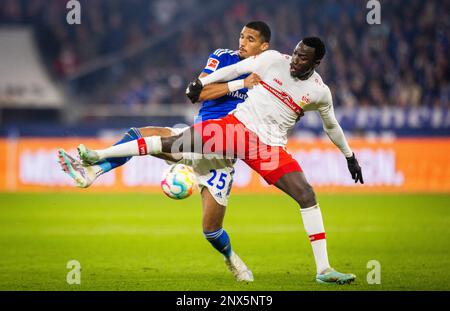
(220, 184)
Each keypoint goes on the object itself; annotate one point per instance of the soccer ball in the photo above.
(178, 181)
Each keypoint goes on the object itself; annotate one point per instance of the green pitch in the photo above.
(150, 242)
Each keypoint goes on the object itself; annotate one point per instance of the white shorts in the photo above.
(213, 172)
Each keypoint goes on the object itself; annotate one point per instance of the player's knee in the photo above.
(306, 197)
(168, 144)
(182, 142)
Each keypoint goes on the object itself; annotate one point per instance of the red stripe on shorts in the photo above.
(317, 237)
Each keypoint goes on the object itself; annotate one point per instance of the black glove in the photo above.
(355, 169)
(193, 90)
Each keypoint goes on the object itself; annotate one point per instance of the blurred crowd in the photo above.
(404, 61)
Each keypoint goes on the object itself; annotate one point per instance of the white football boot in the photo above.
(84, 176)
(238, 268)
(331, 276)
(87, 156)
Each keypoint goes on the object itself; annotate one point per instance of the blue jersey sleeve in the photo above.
(216, 60)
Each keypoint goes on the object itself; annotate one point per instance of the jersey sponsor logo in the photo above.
(283, 97)
(237, 94)
(212, 64)
(278, 81)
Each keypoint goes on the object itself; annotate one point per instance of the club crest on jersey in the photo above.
(305, 99)
(212, 64)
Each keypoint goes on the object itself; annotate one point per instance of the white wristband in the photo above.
(236, 85)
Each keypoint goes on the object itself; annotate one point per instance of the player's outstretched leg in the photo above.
(296, 186)
(94, 166)
(138, 147)
(213, 214)
(90, 157)
(155, 145)
(84, 173)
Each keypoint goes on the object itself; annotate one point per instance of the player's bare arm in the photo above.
(216, 90)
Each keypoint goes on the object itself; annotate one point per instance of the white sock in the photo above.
(141, 146)
(312, 220)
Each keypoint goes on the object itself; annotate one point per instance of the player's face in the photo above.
(303, 61)
(251, 43)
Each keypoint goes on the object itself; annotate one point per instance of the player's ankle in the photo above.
(326, 270)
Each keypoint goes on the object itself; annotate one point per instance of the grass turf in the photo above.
(150, 242)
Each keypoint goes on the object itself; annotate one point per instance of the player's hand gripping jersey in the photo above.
(272, 107)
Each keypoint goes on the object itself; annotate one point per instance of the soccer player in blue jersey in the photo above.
(214, 175)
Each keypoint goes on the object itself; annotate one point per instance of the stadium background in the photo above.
(128, 63)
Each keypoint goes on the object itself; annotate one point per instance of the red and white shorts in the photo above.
(229, 137)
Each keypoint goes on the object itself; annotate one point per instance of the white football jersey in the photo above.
(273, 106)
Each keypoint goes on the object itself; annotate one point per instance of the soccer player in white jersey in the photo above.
(256, 132)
